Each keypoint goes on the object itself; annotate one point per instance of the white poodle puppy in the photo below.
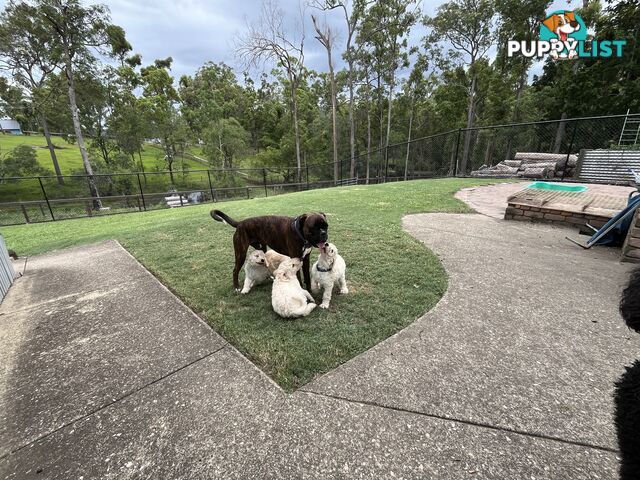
(288, 298)
(255, 270)
(327, 272)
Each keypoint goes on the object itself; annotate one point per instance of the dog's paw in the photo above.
(324, 305)
(344, 291)
(244, 291)
(237, 290)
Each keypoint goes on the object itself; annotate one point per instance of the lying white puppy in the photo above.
(255, 270)
(327, 272)
(288, 298)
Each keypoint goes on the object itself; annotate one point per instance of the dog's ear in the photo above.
(551, 23)
(301, 219)
(324, 215)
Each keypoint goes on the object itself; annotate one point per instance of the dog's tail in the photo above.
(219, 216)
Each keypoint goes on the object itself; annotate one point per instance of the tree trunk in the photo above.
(52, 150)
(380, 122)
(97, 203)
(296, 129)
(560, 133)
(406, 160)
(334, 109)
(468, 133)
(516, 109)
(352, 127)
(386, 142)
(368, 138)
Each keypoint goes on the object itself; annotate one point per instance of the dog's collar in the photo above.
(296, 228)
(324, 270)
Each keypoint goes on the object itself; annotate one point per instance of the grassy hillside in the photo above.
(392, 278)
(69, 154)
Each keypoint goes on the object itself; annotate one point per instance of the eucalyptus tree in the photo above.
(326, 37)
(24, 47)
(76, 34)
(268, 41)
(468, 26)
(159, 106)
(383, 31)
(352, 12)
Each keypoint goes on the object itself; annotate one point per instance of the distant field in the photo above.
(71, 162)
(69, 154)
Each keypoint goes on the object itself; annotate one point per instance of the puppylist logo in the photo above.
(563, 35)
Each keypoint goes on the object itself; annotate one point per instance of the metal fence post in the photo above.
(573, 138)
(213, 194)
(24, 212)
(248, 196)
(386, 162)
(455, 162)
(144, 204)
(264, 181)
(307, 177)
(44, 193)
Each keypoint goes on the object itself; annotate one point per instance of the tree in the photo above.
(20, 162)
(267, 40)
(224, 138)
(467, 25)
(24, 46)
(383, 31)
(159, 106)
(326, 37)
(352, 17)
(74, 31)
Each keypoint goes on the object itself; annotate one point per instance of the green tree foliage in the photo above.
(20, 162)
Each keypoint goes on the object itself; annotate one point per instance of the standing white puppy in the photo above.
(327, 272)
(288, 298)
(255, 270)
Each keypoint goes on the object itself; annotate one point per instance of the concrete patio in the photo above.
(108, 375)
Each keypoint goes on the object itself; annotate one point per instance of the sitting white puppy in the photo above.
(288, 298)
(327, 272)
(255, 270)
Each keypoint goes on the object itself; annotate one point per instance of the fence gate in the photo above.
(7, 274)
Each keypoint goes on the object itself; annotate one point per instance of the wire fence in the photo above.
(453, 153)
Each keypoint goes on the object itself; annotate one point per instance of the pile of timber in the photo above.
(531, 165)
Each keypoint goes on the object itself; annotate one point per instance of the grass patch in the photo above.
(392, 278)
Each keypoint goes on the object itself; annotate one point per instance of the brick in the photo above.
(521, 218)
(633, 253)
(635, 232)
(514, 211)
(575, 220)
(566, 214)
(508, 217)
(524, 207)
(630, 259)
(534, 209)
(633, 242)
(553, 216)
(533, 214)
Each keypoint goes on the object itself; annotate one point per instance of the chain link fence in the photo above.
(453, 153)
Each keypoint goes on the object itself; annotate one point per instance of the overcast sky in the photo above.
(196, 31)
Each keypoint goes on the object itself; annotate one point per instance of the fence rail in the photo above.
(455, 152)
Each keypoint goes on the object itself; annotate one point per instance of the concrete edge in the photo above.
(227, 344)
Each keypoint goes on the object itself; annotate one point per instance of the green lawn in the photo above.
(392, 278)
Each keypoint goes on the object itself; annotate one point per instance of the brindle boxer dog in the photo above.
(294, 237)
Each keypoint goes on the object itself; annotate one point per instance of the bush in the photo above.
(21, 162)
